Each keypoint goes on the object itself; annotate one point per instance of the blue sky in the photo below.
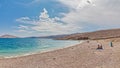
(51, 17)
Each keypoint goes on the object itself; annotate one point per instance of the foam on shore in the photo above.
(42, 51)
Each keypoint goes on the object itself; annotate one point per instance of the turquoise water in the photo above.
(23, 46)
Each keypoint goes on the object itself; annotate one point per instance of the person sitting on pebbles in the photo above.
(99, 46)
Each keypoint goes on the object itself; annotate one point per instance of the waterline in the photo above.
(27, 46)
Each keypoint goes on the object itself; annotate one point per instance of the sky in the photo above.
(53, 17)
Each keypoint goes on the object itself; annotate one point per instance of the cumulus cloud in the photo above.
(76, 4)
(98, 12)
(84, 3)
(46, 25)
(82, 13)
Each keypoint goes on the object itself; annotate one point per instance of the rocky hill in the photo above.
(8, 36)
(102, 34)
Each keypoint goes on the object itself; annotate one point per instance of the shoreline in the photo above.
(39, 52)
(77, 56)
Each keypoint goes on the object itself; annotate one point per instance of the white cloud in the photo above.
(84, 3)
(46, 25)
(75, 4)
(103, 13)
(98, 12)
(29, 3)
(23, 27)
(23, 19)
(21, 30)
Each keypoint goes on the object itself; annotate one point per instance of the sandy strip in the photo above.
(83, 55)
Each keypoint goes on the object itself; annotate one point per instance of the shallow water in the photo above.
(23, 46)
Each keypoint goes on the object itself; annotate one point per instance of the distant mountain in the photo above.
(50, 37)
(8, 36)
(101, 34)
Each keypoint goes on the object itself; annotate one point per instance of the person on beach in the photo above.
(111, 44)
(99, 46)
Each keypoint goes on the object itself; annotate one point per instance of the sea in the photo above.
(14, 47)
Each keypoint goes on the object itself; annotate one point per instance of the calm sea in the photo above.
(24, 46)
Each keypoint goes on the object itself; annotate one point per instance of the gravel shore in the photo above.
(84, 55)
